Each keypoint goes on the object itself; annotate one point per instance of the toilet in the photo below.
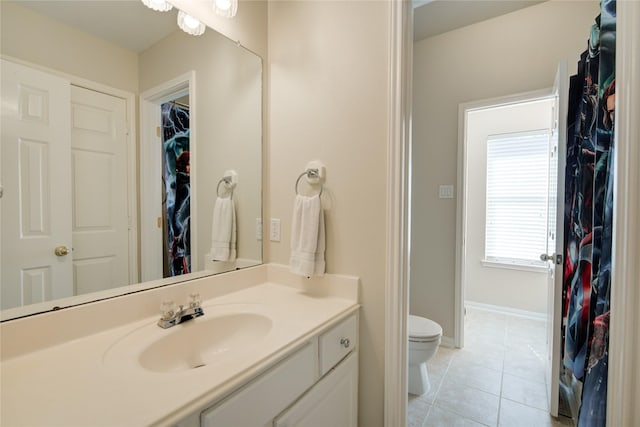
(424, 338)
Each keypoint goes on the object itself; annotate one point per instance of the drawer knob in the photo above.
(345, 342)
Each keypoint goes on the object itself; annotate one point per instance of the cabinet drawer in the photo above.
(262, 399)
(336, 343)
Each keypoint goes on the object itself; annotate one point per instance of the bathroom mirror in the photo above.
(154, 119)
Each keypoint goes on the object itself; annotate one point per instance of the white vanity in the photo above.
(271, 349)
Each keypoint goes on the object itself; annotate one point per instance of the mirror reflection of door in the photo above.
(66, 196)
(36, 202)
(99, 191)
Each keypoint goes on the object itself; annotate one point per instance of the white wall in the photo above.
(228, 126)
(515, 289)
(513, 53)
(328, 65)
(32, 37)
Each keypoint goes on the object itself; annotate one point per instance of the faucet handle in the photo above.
(194, 300)
(167, 310)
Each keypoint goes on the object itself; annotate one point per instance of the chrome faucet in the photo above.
(170, 316)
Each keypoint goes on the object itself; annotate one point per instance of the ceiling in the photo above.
(127, 23)
(132, 25)
(439, 16)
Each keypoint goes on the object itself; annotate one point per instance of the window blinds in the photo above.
(517, 193)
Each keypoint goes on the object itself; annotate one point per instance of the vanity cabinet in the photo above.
(260, 401)
(331, 402)
(317, 385)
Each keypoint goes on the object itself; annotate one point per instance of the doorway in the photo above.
(506, 214)
(508, 179)
(168, 146)
(511, 152)
(176, 187)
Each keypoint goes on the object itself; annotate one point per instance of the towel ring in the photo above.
(310, 173)
(227, 182)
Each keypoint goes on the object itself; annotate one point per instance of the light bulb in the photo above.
(226, 8)
(158, 5)
(189, 24)
(223, 4)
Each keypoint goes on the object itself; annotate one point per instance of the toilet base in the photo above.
(418, 379)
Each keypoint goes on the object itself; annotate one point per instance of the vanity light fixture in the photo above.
(226, 8)
(158, 5)
(189, 24)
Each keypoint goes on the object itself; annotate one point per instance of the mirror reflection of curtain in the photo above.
(176, 209)
(589, 218)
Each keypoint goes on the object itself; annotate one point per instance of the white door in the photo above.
(36, 201)
(555, 235)
(99, 187)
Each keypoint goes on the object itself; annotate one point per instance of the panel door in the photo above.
(99, 191)
(36, 201)
(555, 236)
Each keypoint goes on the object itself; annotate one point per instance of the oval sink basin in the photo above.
(194, 344)
(207, 340)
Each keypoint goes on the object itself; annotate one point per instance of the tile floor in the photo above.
(497, 379)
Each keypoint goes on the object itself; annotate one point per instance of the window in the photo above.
(517, 193)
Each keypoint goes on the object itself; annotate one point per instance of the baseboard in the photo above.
(447, 342)
(534, 315)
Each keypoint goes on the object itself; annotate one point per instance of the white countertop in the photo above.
(74, 384)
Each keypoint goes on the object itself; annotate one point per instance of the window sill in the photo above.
(514, 266)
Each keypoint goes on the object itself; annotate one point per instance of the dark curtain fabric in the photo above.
(588, 217)
(177, 192)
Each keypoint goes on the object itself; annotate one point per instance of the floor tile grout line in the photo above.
(504, 359)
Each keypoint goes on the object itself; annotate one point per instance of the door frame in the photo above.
(150, 171)
(461, 200)
(398, 224)
(132, 151)
(623, 390)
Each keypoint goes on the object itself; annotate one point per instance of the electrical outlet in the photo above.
(258, 228)
(275, 230)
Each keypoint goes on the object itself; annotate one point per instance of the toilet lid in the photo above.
(422, 328)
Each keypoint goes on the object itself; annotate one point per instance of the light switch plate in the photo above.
(275, 230)
(445, 192)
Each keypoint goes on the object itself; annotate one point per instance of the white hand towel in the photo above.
(223, 230)
(307, 237)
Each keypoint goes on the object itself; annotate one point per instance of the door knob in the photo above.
(61, 251)
(545, 257)
(556, 258)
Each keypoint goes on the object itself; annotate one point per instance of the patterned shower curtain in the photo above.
(588, 217)
(177, 191)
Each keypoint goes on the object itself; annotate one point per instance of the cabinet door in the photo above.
(261, 400)
(333, 401)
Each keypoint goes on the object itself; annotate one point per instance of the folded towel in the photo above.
(307, 237)
(223, 230)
